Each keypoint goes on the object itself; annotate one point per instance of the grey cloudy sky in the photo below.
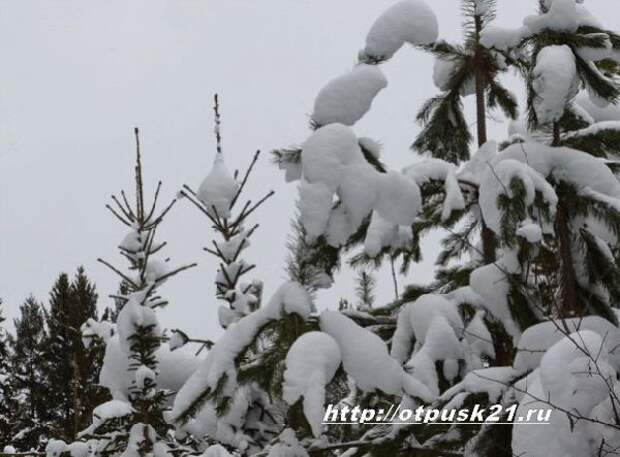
(78, 75)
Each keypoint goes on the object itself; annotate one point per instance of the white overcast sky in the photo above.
(78, 75)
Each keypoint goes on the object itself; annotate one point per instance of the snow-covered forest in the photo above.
(522, 311)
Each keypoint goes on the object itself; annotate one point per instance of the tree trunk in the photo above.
(481, 114)
(77, 381)
(569, 306)
(488, 237)
(556, 134)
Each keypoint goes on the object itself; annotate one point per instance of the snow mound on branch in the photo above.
(594, 129)
(347, 98)
(439, 170)
(231, 248)
(426, 308)
(443, 70)
(474, 169)
(113, 409)
(530, 231)
(492, 283)
(364, 355)
(217, 450)
(609, 112)
(218, 189)
(288, 446)
(414, 320)
(496, 181)
(502, 39)
(311, 363)
(568, 380)
(540, 337)
(133, 242)
(570, 375)
(408, 21)
(358, 191)
(371, 145)
(554, 81)
(398, 199)
(382, 233)
(290, 298)
(442, 345)
(565, 164)
(92, 329)
(492, 381)
(479, 340)
(55, 447)
(434, 325)
(144, 377)
(155, 271)
(324, 153)
(173, 369)
(315, 205)
(339, 227)
(177, 340)
(441, 341)
(135, 314)
(333, 163)
(562, 16)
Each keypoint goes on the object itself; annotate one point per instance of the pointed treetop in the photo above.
(139, 182)
(218, 136)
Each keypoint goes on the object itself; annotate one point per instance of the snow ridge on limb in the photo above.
(340, 188)
(311, 363)
(218, 372)
(347, 98)
(407, 21)
(364, 354)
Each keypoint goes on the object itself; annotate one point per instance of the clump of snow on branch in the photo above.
(554, 81)
(497, 179)
(439, 170)
(573, 377)
(428, 330)
(606, 112)
(562, 15)
(407, 21)
(311, 363)
(347, 98)
(364, 354)
(174, 368)
(537, 339)
(501, 38)
(492, 283)
(218, 189)
(289, 298)
(333, 166)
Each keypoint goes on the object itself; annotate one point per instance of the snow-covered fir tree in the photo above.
(523, 311)
(215, 199)
(140, 373)
(443, 347)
